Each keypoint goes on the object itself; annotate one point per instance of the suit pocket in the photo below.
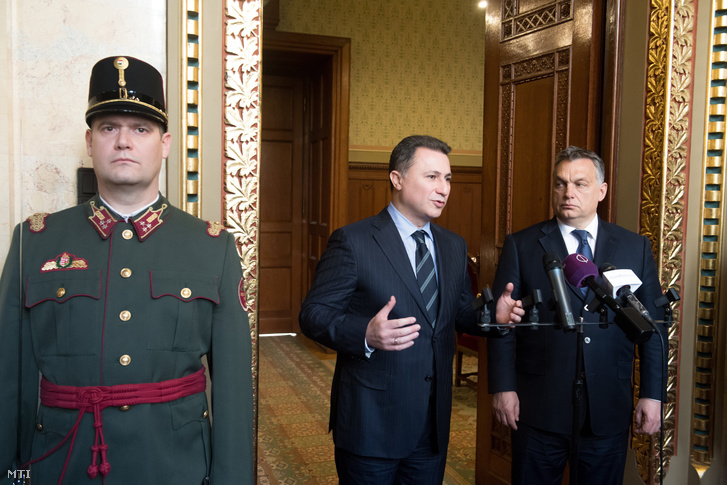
(361, 376)
(65, 312)
(191, 437)
(54, 425)
(181, 310)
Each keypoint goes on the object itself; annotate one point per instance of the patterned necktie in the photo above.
(584, 248)
(426, 277)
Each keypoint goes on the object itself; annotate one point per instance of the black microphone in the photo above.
(581, 272)
(554, 268)
(620, 282)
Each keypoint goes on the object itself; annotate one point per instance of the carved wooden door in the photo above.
(281, 204)
(318, 216)
(543, 92)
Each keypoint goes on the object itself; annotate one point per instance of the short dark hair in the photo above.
(574, 153)
(403, 153)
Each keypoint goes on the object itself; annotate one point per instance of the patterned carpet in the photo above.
(294, 446)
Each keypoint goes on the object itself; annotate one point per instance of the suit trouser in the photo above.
(539, 457)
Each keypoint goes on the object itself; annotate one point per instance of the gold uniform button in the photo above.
(126, 273)
(124, 408)
(125, 316)
(127, 234)
(125, 360)
(205, 414)
(61, 291)
(39, 426)
(186, 292)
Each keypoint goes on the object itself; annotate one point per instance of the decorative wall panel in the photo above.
(191, 106)
(515, 23)
(242, 147)
(666, 145)
(708, 333)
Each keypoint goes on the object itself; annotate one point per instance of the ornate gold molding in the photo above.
(712, 233)
(243, 29)
(666, 146)
(192, 106)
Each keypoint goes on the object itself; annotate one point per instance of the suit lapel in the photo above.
(387, 237)
(606, 244)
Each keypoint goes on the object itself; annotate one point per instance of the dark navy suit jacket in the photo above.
(379, 404)
(540, 364)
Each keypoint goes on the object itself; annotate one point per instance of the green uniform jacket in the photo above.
(87, 301)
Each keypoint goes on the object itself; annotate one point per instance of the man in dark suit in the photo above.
(388, 297)
(531, 373)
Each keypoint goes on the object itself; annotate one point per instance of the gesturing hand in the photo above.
(385, 334)
(507, 309)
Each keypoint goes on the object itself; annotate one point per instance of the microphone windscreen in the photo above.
(577, 268)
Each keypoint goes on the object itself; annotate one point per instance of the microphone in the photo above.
(622, 283)
(581, 272)
(554, 268)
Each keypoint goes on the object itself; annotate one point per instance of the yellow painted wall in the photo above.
(416, 67)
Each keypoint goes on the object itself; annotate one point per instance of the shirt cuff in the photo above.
(369, 350)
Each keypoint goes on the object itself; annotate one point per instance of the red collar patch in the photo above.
(149, 222)
(102, 220)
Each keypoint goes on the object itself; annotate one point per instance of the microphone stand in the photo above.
(579, 394)
(664, 301)
(578, 404)
(532, 303)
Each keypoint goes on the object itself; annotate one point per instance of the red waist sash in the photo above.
(95, 398)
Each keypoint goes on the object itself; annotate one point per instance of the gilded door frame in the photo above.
(219, 129)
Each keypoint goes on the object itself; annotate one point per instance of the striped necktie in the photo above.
(426, 277)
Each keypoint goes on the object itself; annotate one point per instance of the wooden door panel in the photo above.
(534, 105)
(281, 205)
(366, 196)
(532, 144)
(276, 301)
(324, 63)
(321, 161)
(543, 75)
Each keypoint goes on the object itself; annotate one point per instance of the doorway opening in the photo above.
(303, 169)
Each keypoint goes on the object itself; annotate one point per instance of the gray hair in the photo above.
(574, 153)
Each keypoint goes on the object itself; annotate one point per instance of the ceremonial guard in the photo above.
(107, 310)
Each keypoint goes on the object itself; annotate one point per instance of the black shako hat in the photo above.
(122, 84)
